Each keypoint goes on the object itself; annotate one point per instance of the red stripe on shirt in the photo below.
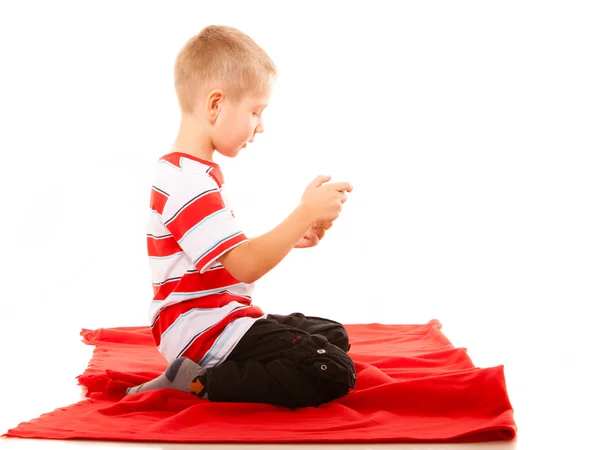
(162, 291)
(219, 249)
(217, 175)
(157, 201)
(173, 158)
(162, 247)
(194, 212)
(194, 282)
(205, 341)
(171, 313)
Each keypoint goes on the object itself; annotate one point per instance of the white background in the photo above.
(470, 131)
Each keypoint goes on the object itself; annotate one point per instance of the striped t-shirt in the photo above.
(199, 309)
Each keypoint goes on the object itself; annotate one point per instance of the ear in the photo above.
(214, 104)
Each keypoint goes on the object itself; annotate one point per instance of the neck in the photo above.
(193, 139)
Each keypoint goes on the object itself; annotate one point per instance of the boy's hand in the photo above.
(313, 235)
(324, 201)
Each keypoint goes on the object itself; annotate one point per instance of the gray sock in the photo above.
(182, 374)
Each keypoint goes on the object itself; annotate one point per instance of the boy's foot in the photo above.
(182, 374)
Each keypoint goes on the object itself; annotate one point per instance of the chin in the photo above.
(228, 152)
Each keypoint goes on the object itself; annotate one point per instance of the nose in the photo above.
(260, 128)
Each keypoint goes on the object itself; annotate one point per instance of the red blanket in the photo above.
(412, 385)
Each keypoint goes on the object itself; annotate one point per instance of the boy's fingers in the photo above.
(325, 225)
(341, 186)
(320, 180)
(320, 233)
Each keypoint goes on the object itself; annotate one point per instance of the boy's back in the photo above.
(199, 309)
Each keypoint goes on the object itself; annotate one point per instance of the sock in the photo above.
(182, 374)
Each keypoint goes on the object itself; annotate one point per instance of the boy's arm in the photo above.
(252, 259)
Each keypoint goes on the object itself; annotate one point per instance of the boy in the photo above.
(219, 346)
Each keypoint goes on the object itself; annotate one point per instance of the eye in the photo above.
(256, 114)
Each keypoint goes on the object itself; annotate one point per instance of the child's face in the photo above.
(238, 123)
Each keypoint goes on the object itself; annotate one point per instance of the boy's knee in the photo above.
(332, 365)
(338, 336)
(326, 371)
(338, 377)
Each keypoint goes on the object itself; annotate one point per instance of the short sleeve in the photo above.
(203, 226)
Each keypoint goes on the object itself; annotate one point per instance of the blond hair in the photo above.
(221, 57)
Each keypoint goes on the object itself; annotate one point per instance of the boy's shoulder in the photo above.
(177, 172)
(183, 162)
